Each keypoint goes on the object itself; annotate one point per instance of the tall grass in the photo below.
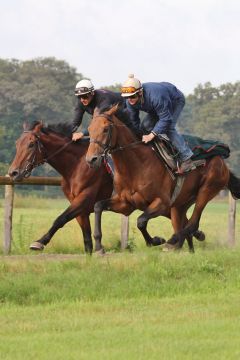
(33, 216)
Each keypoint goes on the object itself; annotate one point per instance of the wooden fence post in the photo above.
(124, 231)
(7, 239)
(231, 220)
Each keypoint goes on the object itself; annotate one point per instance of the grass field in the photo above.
(141, 305)
(32, 217)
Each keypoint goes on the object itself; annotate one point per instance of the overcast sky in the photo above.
(185, 42)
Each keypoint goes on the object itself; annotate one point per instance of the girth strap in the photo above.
(177, 189)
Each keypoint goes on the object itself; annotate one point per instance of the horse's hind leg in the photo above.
(155, 209)
(179, 220)
(205, 194)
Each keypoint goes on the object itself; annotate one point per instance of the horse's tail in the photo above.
(234, 186)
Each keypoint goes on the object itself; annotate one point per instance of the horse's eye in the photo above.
(105, 130)
(31, 145)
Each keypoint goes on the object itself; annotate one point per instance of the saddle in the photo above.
(202, 149)
(166, 151)
(170, 155)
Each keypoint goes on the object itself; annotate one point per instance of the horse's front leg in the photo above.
(156, 208)
(78, 207)
(60, 221)
(114, 204)
(85, 225)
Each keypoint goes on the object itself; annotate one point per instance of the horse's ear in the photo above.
(112, 110)
(96, 111)
(25, 125)
(38, 127)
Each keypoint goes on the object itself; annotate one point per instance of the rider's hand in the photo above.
(147, 138)
(76, 136)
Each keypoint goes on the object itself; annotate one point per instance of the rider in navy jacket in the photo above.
(163, 103)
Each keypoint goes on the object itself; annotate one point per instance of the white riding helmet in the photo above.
(84, 87)
(131, 86)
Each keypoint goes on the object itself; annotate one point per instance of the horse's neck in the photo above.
(62, 156)
(131, 158)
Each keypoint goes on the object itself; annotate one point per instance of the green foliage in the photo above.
(116, 87)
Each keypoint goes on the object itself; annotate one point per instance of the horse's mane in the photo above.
(63, 129)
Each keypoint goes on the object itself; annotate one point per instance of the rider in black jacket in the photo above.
(89, 99)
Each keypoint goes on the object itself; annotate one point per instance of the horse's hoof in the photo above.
(100, 252)
(199, 235)
(156, 241)
(169, 247)
(36, 246)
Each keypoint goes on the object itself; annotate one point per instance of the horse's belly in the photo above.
(135, 199)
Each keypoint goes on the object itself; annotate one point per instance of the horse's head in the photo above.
(103, 136)
(28, 153)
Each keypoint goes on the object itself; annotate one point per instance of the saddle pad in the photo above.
(204, 149)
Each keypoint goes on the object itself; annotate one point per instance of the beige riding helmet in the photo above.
(131, 86)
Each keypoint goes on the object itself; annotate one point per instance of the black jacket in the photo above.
(103, 100)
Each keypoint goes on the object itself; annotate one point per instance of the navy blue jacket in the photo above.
(159, 101)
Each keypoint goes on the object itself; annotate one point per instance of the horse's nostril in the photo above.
(14, 173)
(94, 159)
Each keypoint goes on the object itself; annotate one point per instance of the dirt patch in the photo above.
(43, 257)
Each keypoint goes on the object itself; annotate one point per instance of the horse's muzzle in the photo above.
(16, 175)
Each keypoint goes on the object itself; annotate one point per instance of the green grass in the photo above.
(142, 305)
(146, 305)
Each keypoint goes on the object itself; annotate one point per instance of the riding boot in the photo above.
(186, 166)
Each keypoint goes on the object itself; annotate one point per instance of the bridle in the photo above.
(107, 147)
(38, 146)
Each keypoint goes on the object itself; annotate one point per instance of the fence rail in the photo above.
(38, 180)
(32, 180)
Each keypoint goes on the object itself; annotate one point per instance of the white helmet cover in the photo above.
(84, 87)
(131, 86)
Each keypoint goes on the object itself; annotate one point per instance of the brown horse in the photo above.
(82, 185)
(141, 181)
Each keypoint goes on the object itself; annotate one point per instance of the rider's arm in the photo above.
(79, 111)
(164, 118)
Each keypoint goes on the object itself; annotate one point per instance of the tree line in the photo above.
(43, 89)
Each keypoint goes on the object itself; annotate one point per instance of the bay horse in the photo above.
(141, 181)
(82, 185)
